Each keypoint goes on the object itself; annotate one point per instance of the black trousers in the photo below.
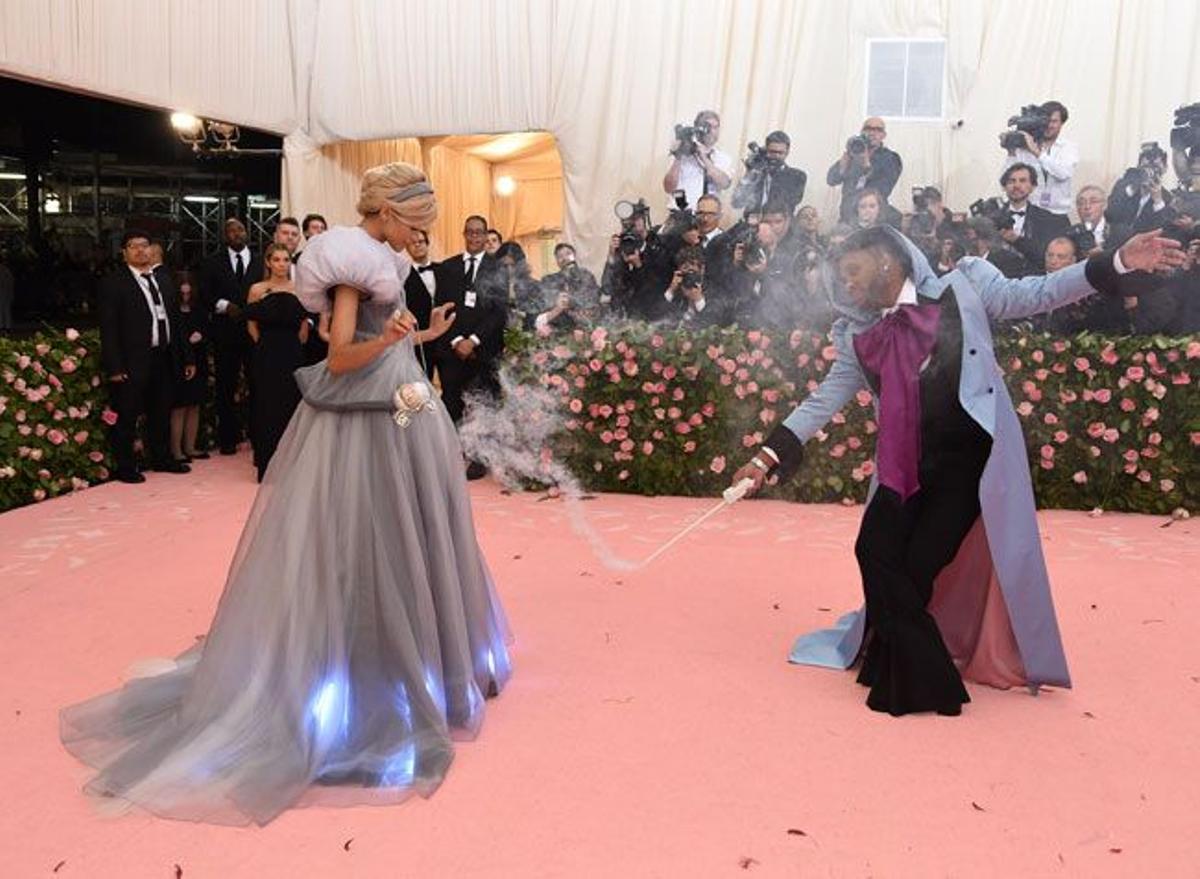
(901, 548)
(462, 377)
(146, 394)
(231, 362)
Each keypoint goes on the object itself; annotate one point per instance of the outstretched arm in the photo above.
(1015, 298)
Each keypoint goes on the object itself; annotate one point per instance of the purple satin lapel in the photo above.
(893, 349)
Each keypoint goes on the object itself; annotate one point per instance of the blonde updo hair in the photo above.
(382, 184)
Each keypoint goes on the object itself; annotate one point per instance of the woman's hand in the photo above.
(399, 325)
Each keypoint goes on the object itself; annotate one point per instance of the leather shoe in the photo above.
(199, 456)
(130, 476)
(228, 450)
(476, 470)
(171, 467)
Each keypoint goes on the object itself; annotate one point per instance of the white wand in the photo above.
(730, 496)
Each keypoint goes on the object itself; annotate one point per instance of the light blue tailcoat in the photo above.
(1005, 490)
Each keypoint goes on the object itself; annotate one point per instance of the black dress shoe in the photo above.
(228, 450)
(184, 459)
(199, 456)
(476, 470)
(130, 476)
(171, 467)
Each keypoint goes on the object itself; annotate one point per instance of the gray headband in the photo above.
(411, 191)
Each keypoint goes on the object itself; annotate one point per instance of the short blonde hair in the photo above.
(381, 185)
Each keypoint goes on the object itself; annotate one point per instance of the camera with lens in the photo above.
(920, 198)
(758, 159)
(680, 219)
(1032, 120)
(1151, 165)
(628, 211)
(1186, 133)
(858, 145)
(993, 209)
(688, 136)
(691, 280)
(746, 234)
(1083, 238)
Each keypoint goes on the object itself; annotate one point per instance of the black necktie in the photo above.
(470, 276)
(160, 314)
(239, 270)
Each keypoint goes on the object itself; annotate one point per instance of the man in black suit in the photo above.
(141, 349)
(1033, 227)
(985, 242)
(420, 289)
(768, 177)
(1139, 201)
(468, 357)
(224, 278)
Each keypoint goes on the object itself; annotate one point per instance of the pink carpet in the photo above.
(653, 726)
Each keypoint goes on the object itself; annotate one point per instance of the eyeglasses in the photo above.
(706, 213)
(873, 128)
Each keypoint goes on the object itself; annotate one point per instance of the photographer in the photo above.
(768, 175)
(865, 164)
(571, 295)
(1090, 205)
(1139, 200)
(930, 216)
(708, 218)
(768, 287)
(697, 166)
(985, 241)
(1036, 142)
(1185, 148)
(637, 271)
(1031, 227)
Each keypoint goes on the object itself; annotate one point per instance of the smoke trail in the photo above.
(513, 439)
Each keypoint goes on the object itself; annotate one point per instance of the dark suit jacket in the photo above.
(1123, 210)
(885, 170)
(417, 297)
(489, 314)
(217, 281)
(1010, 263)
(126, 322)
(1041, 227)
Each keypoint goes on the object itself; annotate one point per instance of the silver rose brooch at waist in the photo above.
(410, 399)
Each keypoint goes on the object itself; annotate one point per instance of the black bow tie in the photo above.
(428, 268)
(1017, 213)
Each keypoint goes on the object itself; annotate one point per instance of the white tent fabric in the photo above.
(609, 78)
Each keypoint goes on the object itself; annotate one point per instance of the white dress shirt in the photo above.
(1018, 217)
(157, 312)
(1056, 166)
(428, 277)
(691, 175)
(478, 257)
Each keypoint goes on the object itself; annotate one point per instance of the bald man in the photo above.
(875, 167)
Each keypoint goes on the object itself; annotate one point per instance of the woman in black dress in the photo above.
(190, 394)
(278, 324)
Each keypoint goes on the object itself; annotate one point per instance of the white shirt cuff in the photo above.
(222, 306)
(474, 338)
(1118, 265)
(456, 340)
(541, 321)
(770, 453)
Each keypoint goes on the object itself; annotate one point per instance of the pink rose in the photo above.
(67, 366)
(1024, 408)
(622, 421)
(766, 416)
(1193, 349)
(80, 437)
(1103, 395)
(1061, 436)
(868, 467)
(1127, 405)
(576, 405)
(1041, 374)
(863, 398)
(1096, 429)
(595, 365)
(1150, 416)
(1130, 455)
(689, 447)
(709, 410)
(626, 445)
(1037, 356)
(606, 437)
(23, 361)
(1111, 435)
(647, 448)
(682, 427)
(42, 349)
(1144, 476)
(829, 353)
(1154, 439)
(854, 443)
(1015, 364)
(674, 412)
(1047, 452)
(1109, 356)
(1068, 396)
(1135, 373)
(837, 451)
(623, 475)
(1050, 418)
(718, 464)
(1079, 477)
(1094, 451)
(696, 419)
(631, 368)
(1082, 364)
(677, 394)
(1181, 378)
(39, 494)
(1167, 485)
(72, 334)
(1047, 464)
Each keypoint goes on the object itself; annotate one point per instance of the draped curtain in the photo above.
(609, 78)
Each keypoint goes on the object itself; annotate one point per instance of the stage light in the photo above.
(11, 175)
(201, 199)
(187, 125)
(505, 186)
(51, 204)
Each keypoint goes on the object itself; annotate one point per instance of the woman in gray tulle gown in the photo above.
(359, 629)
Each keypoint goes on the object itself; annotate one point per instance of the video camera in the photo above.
(688, 135)
(857, 145)
(1186, 133)
(995, 210)
(758, 159)
(1032, 120)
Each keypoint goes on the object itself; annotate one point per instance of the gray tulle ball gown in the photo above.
(359, 631)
